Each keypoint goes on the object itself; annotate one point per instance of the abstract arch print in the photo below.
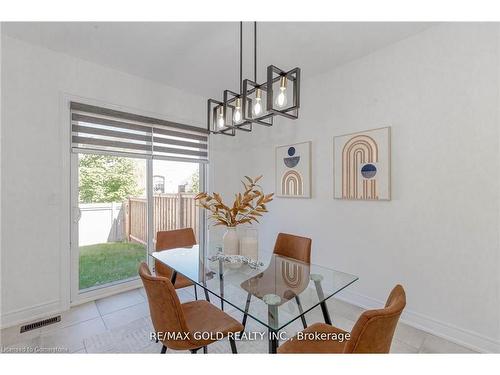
(293, 169)
(359, 151)
(291, 183)
(362, 165)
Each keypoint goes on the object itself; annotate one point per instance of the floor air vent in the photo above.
(40, 323)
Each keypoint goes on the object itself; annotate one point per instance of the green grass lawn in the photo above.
(107, 262)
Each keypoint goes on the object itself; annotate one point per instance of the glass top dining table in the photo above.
(275, 294)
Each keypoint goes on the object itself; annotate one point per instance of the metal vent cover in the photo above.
(40, 323)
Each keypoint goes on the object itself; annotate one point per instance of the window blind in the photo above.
(97, 129)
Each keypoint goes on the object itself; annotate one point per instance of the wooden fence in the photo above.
(170, 211)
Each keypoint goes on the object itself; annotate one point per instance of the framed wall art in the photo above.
(293, 170)
(362, 168)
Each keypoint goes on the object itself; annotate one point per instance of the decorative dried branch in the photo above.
(247, 206)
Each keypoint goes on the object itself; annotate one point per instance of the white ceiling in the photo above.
(202, 57)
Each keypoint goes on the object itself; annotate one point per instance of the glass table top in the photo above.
(281, 291)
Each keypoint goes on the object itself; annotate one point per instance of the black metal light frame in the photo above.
(230, 98)
(212, 106)
(250, 87)
(274, 74)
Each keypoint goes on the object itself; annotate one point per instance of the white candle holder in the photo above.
(249, 244)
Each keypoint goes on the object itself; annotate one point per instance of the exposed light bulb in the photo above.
(257, 107)
(281, 99)
(237, 112)
(220, 118)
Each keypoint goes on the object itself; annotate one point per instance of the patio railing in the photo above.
(170, 211)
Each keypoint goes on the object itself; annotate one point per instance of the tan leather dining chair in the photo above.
(170, 316)
(294, 247)
(171, 239)
(372, 333)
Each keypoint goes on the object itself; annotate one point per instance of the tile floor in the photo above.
(121, 324)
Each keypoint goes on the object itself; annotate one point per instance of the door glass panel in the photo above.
(112, 229)
(175, 184)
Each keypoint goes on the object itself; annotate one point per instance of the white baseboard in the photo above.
(461, 336)
(25, 315)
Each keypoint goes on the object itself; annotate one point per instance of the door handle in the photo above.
(78, 214)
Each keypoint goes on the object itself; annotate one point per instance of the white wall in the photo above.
(35, 164)
(438, 236)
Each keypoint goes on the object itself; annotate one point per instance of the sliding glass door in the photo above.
(131, 176)
(120, 204)
(112, 227)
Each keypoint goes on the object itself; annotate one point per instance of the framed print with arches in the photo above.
(293, 170)
(362, 167)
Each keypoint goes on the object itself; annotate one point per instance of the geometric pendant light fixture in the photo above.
(256, 103)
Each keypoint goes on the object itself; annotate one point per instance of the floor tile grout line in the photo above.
(120, 309)
(105, 325)
(97, 307)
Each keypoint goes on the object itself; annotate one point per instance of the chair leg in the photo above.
(247, 307)
(194, 351)
(205, 350)
(233, 345)
(302, 316)
(195, 292)
(163, 349)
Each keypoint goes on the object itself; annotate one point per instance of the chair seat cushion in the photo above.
(202, 316)
(311, 343)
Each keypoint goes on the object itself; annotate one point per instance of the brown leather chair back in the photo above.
(164, 307)
(292, 246)
(171, 239)
(374, 330)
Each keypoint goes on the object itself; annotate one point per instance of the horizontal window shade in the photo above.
(110, 133)
(108, 122)
(133, 117)
(106, 130)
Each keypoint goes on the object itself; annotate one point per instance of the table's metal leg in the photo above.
(195, 292)
(207, 297)
(221, 285)
(273, 341)
(174, 277)
(326, 314)
(233, 346)
(272, 301)
(324, 308)
(301, 311)
(247, 307)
